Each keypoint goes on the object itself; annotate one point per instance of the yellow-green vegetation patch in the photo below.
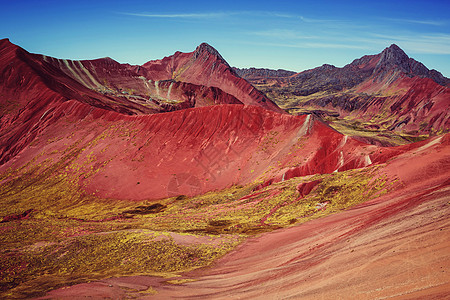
(149, 291)
(101, 255)
(52, 234)
(240, 210)
(180, 281)
(335, 192)
(383, 135)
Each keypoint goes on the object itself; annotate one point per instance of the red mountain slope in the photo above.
(205, 66)
(131, 157)
(364, 252)
(33, 86)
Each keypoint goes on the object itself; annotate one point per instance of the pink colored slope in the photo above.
(393, 247)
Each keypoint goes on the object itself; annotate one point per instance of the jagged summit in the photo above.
(205, 48)
(397, 91)
(394, 52)
(325, 67)
(5, 40)
(205, 66)
(394, 59)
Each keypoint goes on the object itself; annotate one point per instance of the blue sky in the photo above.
(293, 35)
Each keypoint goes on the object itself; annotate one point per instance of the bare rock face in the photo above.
(205, 49)
(394, 59)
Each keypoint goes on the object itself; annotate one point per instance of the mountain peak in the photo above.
(206, 49)
(394, 58)
(394, 47)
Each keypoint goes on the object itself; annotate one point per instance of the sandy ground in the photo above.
(393, 247)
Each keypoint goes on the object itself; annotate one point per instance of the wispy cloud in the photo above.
(327, 32)
(310, 20)
(307, 45)
(209, 15)
(330, 24)
(423, 44)
(335, 46)
(285, 34)
(350, 34)
(423, 22)
(182, 16)
(281, 15)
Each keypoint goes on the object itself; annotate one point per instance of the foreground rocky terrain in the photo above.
(178, 178)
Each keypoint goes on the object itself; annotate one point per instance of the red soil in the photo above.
(395, 246)
(306, 187)
(210, 148)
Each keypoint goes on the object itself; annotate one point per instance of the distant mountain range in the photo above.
(387, 91)
(392, 59)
